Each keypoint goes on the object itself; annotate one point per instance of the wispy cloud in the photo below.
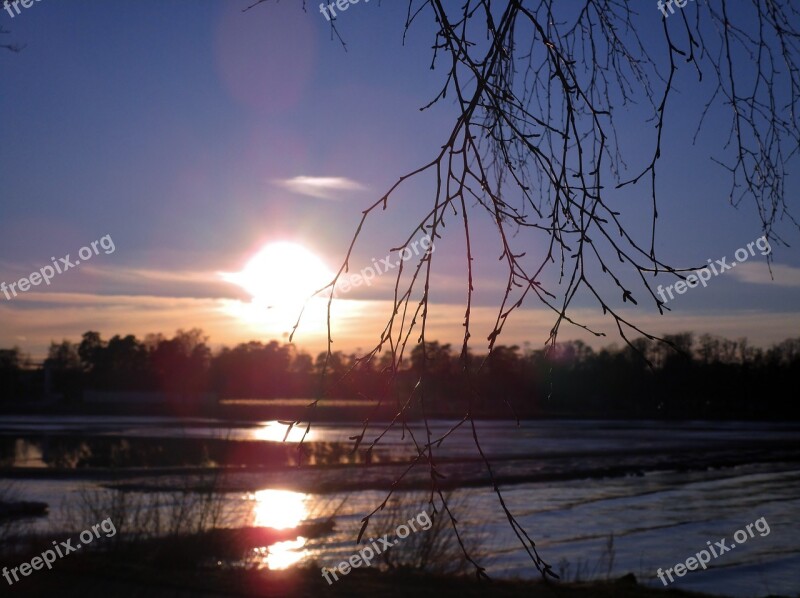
(754, 273)
(100, 280)
(321, 187)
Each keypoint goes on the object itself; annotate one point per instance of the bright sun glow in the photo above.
(279, 509)
(281, 275)
(280, 278)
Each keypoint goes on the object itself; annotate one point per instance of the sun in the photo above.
(282, 275)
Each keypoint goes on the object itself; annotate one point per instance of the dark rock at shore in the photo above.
(19, 510)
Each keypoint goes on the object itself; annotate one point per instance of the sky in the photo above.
(192, 137)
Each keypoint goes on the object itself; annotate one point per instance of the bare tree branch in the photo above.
(534, 151)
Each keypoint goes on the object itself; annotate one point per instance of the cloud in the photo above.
(103, 280)
(321, 187)
(754, 273)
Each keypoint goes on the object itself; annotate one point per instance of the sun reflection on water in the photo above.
(282, 555)
(274, 431)
(279, 509)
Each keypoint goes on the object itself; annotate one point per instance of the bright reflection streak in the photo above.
(282, 555)
(275, 432)
(279, 509)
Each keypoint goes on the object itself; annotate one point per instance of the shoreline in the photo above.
(250, 414)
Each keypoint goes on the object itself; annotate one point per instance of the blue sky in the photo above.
(177, 128)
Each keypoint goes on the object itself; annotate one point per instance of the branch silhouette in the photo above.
(534, 150)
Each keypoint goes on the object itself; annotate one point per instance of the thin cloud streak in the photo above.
(321, 187)
(784, 276)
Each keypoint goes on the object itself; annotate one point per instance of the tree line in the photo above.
(701, 376)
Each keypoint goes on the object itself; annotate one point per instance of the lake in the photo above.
(600, 498)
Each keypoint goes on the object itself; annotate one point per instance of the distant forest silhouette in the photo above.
(712, 378)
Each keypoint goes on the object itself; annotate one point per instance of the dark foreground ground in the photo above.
(93, 579)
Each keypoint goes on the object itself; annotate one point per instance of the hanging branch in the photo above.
(534, 152)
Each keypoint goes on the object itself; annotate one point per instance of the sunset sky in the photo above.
(196, 134)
